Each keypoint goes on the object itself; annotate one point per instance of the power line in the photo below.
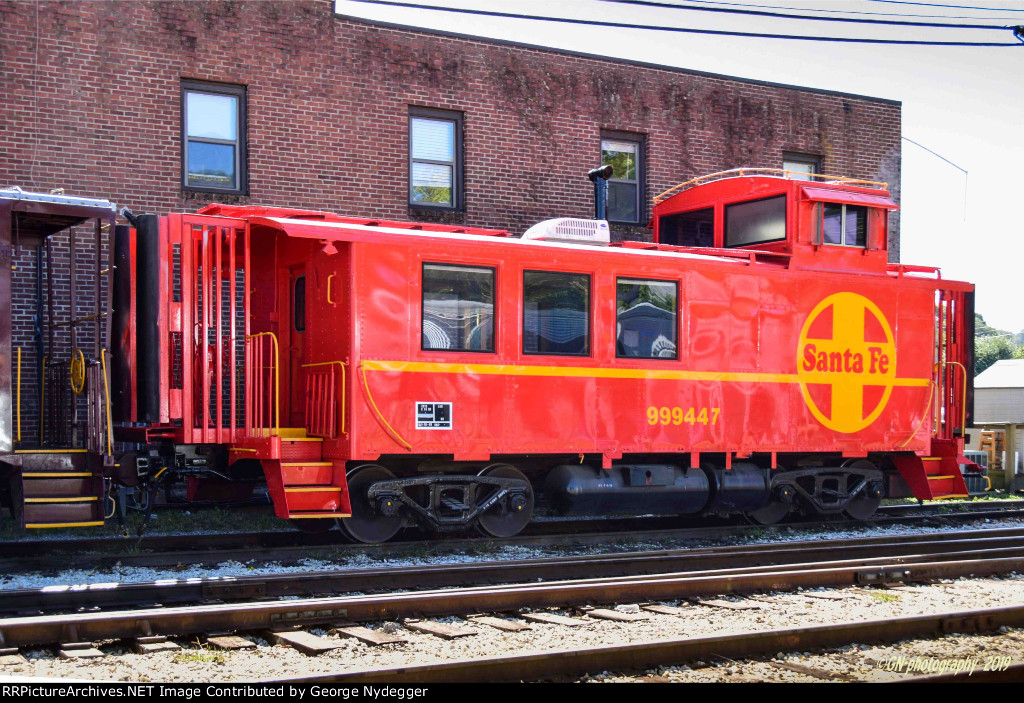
(685, 30)
(841, 12)
(951, 7)
(783, 15)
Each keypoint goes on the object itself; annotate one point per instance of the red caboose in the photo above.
(761, 355)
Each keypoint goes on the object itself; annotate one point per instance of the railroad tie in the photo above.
(152, 644)
(500, 623)
(229, 642)
(727, 604)
(553, 619)
(615, 615)
(79, 650)
(376, 638)
(304, 642)
(438, 629)
(662, 609)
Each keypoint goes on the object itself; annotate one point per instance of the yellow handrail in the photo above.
(19, 394)
(343, 366)
(277, 378)
(369, 397)
(106, 392)
(963, 399)
(776, 172)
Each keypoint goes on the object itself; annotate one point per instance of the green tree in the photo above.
(988, 351)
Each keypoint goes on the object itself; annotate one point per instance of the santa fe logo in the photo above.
(846, 362)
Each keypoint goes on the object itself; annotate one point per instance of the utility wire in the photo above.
(783, 15)
(839, 12)
(684, 30)
(951, 7)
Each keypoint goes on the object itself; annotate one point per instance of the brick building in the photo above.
(166, 106)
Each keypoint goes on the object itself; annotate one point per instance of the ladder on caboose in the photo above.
(938, 475)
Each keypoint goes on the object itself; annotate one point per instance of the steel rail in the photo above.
(867, 551)
(538, 665)
(170, 550)
(79, 627)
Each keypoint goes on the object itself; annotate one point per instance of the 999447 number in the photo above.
(677, 416)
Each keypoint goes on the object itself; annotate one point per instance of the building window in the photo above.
(556, 313)
(845, 224)
(435, 158)
(801, 166)
(645, 319)
(755, 222)
(625, 154)
(458, 308)
(213, 137)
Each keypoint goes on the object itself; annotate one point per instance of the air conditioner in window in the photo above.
(570, 229)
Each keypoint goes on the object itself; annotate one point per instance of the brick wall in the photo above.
(92, 104)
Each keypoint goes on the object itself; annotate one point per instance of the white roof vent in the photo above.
(570, 229)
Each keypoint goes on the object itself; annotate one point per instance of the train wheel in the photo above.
(314, 526)
(501, 520)
(865, 506)
(367, 524)
(771, 513)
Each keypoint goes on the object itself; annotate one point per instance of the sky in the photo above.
(966, 104)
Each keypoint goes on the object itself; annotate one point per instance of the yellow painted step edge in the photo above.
(77, 499)
(314, 489)
(44, 525)
(292, 516)
(306, 463)
(57, 474)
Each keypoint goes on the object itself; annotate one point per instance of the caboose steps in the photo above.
(59, 489)
(934, 477)
(301, 484)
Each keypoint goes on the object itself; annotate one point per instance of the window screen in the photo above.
(556, 313)
(645, 319)
(458, 308)
(755, 222)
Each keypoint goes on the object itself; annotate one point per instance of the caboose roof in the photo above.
(352, 231)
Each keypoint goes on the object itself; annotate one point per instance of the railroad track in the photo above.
(174, 550)
(904, 550)
(547, 664)
(923, 560)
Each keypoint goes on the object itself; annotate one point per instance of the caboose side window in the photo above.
(556, 313)
(845, 224)
(299, 304)
(755, 222)
(458, 308)
(645, 316)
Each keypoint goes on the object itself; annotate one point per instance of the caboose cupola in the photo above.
(828, 223)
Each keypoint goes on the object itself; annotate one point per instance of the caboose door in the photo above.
(296, 340)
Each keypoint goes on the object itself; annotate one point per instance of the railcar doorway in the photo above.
(295, 279)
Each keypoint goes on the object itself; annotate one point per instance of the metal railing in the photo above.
(771, 172)
(322, 401)
(263, 385)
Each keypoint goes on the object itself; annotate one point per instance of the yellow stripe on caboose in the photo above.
(601, 372)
